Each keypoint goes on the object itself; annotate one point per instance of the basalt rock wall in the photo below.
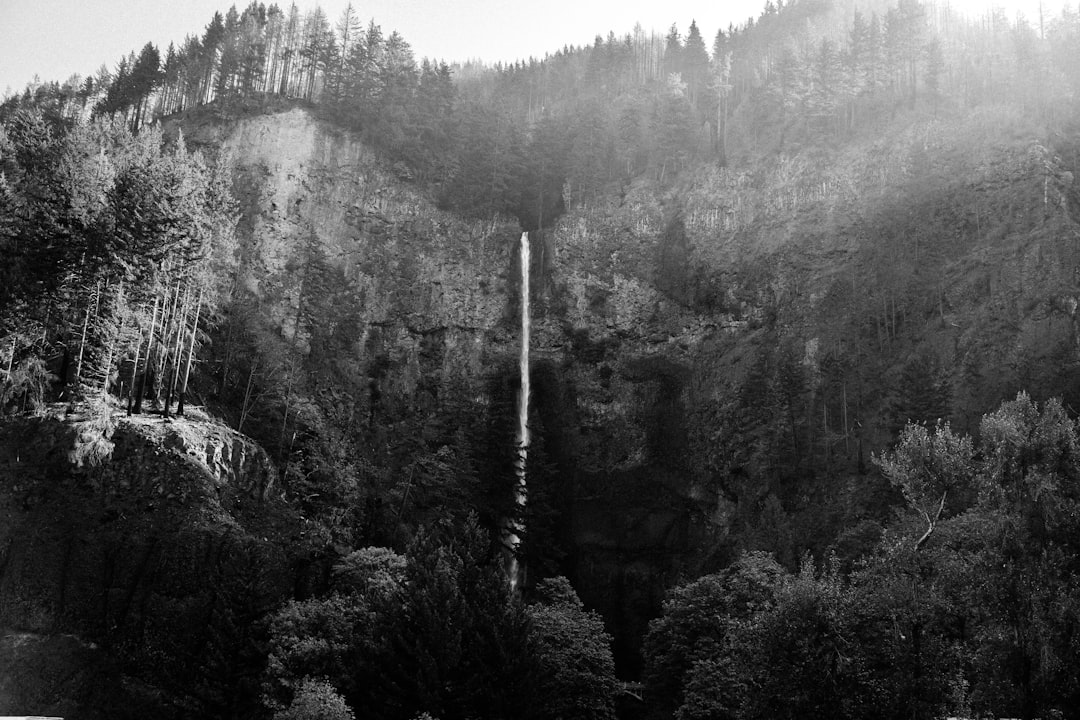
(716, 356)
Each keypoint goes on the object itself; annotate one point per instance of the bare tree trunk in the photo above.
(247, 396)
(191, 352)
(162, 359)
(825, 432)
(847, 430)
(181, 325)
(228, 356)
(11, 359)
(141, 390)
(288, 397)
(82, 339)
(931, 522)
(108, 365)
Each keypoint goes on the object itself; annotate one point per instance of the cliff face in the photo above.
(130, 553)
(433, 302)
(308, 190)
(714, 358)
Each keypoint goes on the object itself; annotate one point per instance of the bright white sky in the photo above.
(56, 38)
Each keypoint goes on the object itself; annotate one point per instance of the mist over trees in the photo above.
(801, 73)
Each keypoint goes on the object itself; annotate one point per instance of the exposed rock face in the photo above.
(436, 300)
(307, 187)
(713, 361)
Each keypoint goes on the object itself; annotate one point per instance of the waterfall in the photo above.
(514, 527)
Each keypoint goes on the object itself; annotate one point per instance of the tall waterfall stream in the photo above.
(514, 526)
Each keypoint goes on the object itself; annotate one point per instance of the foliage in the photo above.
(316, 700)
(460, 649)
(805, 660)
(926, 467)
(576, 672)
(372, 572)
(975, 619)
(697, 621)
(108, 259)
(438, 631)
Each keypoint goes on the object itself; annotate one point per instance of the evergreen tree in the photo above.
(145, 77)
(935, 64)
(673, 127)
(252, 49)
(695, 72)
(673, 52)
(825, 94)
(347, 28)
(212, 41)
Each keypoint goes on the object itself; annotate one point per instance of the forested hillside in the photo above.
(804, 373)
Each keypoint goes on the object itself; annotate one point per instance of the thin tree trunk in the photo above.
(228, 356)
(847, 433)
(825, 432)
(247, 396)
(894, 317)
(191, 352)
(108, 365)
(285, 415)
(82, 339)
(166, 340)
(11, 360)
(931, 522)
(112, 345)
(149, 352)
(181, 325)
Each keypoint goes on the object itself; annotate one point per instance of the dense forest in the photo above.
(864, 212)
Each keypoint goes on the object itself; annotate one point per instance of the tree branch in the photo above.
(931, 523)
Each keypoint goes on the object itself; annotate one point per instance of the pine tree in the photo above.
(673, 128)
(229, 58)
(935, 64)
(695, 72)
(824, 96)
(252, 49)
(145, 77)
(347, 29)
(212, 40)
(673, 52)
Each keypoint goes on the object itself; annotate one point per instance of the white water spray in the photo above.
(522, 440)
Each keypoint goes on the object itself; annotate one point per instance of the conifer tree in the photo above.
(695, 71)
(212, 41)
(145, 77)
(673, 52)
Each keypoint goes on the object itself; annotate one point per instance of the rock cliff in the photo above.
(131, 552)
(435, 301)
(715, 357)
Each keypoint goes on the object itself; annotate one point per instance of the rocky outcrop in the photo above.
(133, 551)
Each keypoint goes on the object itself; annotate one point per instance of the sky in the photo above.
(57, 38)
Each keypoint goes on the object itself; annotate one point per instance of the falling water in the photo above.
(522, 440)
